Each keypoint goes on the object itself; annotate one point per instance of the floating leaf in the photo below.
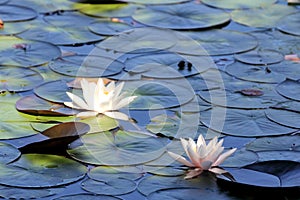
(12, 28)
(8, 153)
(100, 124)
(86, 197)
(290, 24)
(289, 69)
(18, 79)
(49, 7)
(109, 27)
(279, 156)
(288, 105)
(289, 89)
(3, 1)
(238, 4)
(240, 158)
(146, 39)
(244, 123)
(40, 170)
(264, 17)
(13, 13)
(125, 148)
(223, 42)
(261, 74)
(107, 10)
(181, 16)
(26, 53)
(284, 117)
(155, 1)
(260, 57)
(86, 66)
(36, 106)
(114, 186)
(27, 193)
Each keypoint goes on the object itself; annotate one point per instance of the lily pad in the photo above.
(12, 28)
(284, 117)
(289, 89)
(155, 1)
(271, 174)
(146, 39)
(18, 79)
(238, 4)
(241, 158)
(86, 197)
(290, 24)
(109, 27)
(124, 148)
(49, 7)
(86, 66)
(114, 186)
(260, 74)
(289, 69)
(165, 65)
(100, 123)
(8, 153)
(181, 16)
(26, 53)
(38, 171)
(159, 94)
(36, 106)
(223, 42)
(244, 123)
(12, 130)
(14, 13)
(27, 193)
(278, 156)
(107, 10)
(3, 1)
(260, 57)
(264, 17)
(60, 33)
(288, 105)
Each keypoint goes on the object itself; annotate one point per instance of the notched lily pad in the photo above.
(284, 117)
(289, 89)
(260, 57)
(8, 153)
(40, 170)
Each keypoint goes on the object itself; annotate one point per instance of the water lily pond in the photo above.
(149, 99)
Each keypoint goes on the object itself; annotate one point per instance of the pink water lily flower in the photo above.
(100, 99)
(202, 156)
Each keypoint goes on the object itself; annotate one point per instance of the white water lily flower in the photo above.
(203, 156)
(98, 98)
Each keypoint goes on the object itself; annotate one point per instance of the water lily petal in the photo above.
(117, 115)
(193, 173)
(118, 89)
(200, 141)
(222, 157)
(87, 114)
(124, 102)
(217, 170)
(110, 87)
(88, 91)
(77, 102)
(181, 159)
(205, 165)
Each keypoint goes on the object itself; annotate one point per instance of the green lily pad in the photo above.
(260, 74)
(165, 65)
(145, 39)
(26, 53)
(49, 7)
(289, 89)
(18, 79)
(36, 106)
(289, 69)
(60, 33)
(114, 186)
(155, 1)
(27, 193)
(107, 10)
(264, 17)
(223, 42)
(40, 170)
(100, 123)
(8, 153)
(271, 174)
(86, 197)
(181, 16)
(284, 117)
(14, 13)
(109, 27)
(290, 24)
(260, 57)
(86, 66)
(105, 173)
(12, 28)
(159, 94)
(244, 123)
(124, 148)
(238, 4)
